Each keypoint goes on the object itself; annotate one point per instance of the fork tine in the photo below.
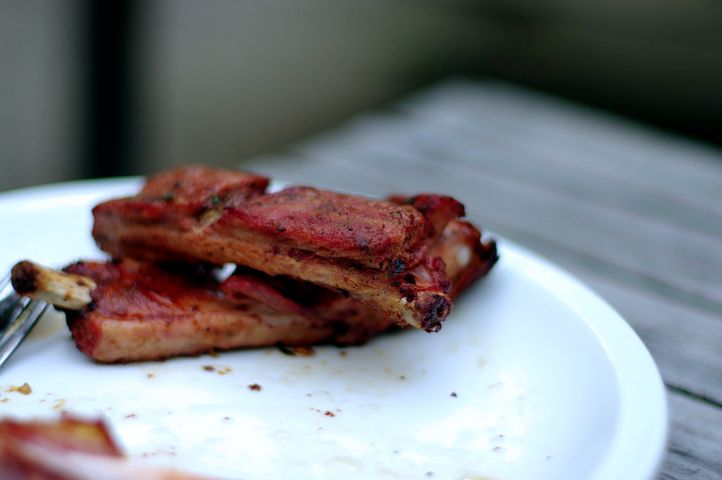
(19, 326)
(10, 308)
(11, 304)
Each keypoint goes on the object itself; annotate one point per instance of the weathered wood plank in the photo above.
(551, 124)
(534, 162)
(695, 446)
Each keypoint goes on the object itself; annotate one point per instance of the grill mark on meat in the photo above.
(397, 267)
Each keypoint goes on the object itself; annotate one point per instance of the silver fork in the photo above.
(18, 315)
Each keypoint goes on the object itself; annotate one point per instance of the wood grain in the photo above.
(695, 444)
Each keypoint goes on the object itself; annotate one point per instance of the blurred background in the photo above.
(90, 88)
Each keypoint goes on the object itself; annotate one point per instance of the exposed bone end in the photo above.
(64, 290)
(426, 312)
(408, 314)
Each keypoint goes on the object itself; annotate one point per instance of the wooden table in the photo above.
(634, 213)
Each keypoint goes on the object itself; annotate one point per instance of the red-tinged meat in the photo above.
(361, 246)
(70, 433)
(141, 311)
(201, 187)
(245, 284)
(183, 195)
(353, 322)
(438, 210)
(466, 257)
(68, 449)
(459, 250)
(351, 228)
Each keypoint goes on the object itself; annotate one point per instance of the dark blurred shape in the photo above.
(659, 62)
(110, 94)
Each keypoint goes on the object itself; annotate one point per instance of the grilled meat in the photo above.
(130, 310)
(377, 252)
(312, 266)
(142, 311)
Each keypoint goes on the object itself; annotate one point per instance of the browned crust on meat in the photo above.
(143, 312)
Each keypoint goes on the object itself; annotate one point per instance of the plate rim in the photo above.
(641, 389)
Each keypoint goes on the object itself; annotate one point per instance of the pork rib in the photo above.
(375, 251)
(140, 311)
(132, 311)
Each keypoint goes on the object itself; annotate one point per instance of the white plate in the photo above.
(532, 377)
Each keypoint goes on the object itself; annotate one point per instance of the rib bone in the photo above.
(64, 290)
(135, 311)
